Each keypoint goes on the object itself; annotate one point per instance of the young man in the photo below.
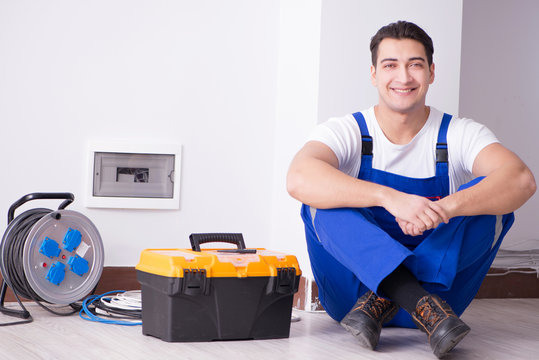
(404, 207)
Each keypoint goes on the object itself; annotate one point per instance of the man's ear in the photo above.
(431, 79)
(373, 75)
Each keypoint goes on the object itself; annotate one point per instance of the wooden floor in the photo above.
(501, 329)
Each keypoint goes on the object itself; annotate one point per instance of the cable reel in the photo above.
(53, 256)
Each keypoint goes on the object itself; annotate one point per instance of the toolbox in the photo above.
(217, 294)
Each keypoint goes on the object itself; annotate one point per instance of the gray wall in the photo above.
(500, 87)
(345, 59)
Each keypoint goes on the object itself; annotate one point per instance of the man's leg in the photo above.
(430, 313)
(452, 262)
(476, 256)
(338, 287)
(402, 287)
(447, 262)
(354, 239)
(358, 243)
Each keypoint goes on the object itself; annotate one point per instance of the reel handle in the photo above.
(68, 197)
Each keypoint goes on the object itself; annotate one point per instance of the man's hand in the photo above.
(415, 214)
(408, 228)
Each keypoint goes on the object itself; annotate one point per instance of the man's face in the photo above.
(402, 75)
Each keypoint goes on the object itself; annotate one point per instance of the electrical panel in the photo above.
(134, 176)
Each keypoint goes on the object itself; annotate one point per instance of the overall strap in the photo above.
(442, 157)
(366, 142)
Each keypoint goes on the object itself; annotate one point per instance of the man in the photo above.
(404, 207)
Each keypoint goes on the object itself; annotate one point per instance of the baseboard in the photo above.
(499, 284)
(520, 283)
(112, 278)
(503, 284)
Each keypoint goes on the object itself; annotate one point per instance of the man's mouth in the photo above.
(403, 91)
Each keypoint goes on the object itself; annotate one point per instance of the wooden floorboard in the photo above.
(501, 329)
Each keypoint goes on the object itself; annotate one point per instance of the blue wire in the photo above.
(91, 317)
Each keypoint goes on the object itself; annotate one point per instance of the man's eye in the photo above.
(416, 65)
(389, 66)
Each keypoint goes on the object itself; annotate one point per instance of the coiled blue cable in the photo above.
(87, 315)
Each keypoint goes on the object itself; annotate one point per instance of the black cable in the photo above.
(12, 258)
(24, 314)
(13, 247)
(7, 282)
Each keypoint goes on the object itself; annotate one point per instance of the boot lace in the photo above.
(429, 313)
(375, 306)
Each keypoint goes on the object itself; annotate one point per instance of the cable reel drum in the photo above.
(61, 252)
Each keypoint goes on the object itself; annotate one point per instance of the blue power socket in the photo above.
(56, 273)
(49, 248)
(72, 239)
(78, 265)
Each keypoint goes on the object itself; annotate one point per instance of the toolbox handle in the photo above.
(231, 238)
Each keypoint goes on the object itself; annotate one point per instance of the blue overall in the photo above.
(353, 249)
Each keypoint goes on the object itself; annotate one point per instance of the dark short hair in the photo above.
(402, 30)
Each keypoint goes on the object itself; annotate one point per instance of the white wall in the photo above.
(500, 88)
(297, 103)
(239, 83)
(200, 73)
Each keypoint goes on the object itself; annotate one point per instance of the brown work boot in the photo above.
(366, 318)
(443, 327)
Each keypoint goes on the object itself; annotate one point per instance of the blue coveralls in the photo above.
(353, 249)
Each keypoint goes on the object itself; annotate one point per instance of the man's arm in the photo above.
(507, 185)
(314, 179)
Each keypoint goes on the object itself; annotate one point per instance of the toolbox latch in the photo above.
(195, 282)
(284, 282)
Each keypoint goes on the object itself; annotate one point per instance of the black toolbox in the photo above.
(217, 294)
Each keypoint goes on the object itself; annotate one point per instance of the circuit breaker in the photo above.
(134, 176)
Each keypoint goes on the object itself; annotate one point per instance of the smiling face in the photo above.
(402, 75)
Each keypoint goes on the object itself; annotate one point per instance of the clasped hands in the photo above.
(416, 214)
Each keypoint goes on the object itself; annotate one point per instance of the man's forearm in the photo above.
(501, 192)
(318, 184)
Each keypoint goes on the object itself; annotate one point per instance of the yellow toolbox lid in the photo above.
(215, 262)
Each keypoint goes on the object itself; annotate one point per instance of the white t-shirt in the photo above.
(417, 159)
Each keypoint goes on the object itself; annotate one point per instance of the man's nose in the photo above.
(404, 74)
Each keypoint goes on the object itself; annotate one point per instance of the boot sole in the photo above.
(365, 329)
(361, 331)
(450, 340)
